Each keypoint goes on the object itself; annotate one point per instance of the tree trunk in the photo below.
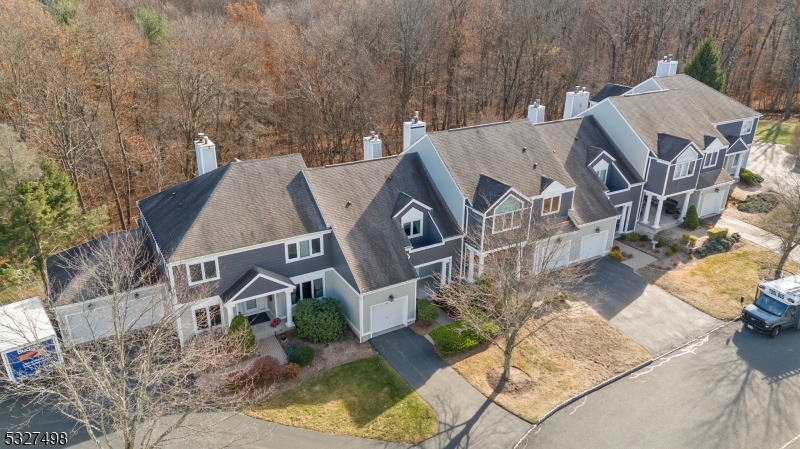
(793, 79)
(508, 351)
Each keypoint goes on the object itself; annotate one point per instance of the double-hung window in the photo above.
(309, 289)
(711, 159)
(684, 169)
(303, 249)
(202, 271)
(413, 228)
(207, 317)
(747, 127)
(551, 205)
(508, 215)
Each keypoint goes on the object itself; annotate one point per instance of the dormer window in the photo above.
(202, 271)
(551, 205)
(601, 168)
(508, 215)
(412, 223)
(747, 127)
(711, 159)
(684, 167)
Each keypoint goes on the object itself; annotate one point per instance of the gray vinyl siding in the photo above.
(259, 287)
(339, 263)
(474, 226)
(337, 288)
(614, 179)
(683, 184)
(408, 289)
(272, 258)
(717, 166)
(441, 177)
(450, 248)
(633, 195)
(565, 204)
(656, 177)
(734, 128)
(430, 234)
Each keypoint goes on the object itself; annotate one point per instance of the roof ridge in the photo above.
(504, 122)
(392, 156)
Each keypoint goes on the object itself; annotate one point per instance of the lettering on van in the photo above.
(776, 293)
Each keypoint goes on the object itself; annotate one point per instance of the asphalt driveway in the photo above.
(466, 417)
(644, 312)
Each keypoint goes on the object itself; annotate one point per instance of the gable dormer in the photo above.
(554, 201)
(604, 165)
(416, 222)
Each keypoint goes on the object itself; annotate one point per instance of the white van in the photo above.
(776, 308)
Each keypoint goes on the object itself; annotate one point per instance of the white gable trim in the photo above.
(613, 159)
(553, 188)
(262, 276)
(602, 165)
(716, 145)
(510, 192)
(739, 119)
(680, 158)
(413, 201)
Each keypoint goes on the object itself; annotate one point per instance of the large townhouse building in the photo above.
(255, 237)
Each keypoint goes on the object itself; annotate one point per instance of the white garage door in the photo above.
(710, 204)
(388, 315)
(551, 256)
(594, 245)
(98, 322)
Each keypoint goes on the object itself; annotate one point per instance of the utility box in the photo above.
(28, 341)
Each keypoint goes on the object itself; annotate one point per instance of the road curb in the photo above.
(613, 379)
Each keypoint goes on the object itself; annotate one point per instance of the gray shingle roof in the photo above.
(358, 200)
(237, 205)
(666, 112)
(495, 151)
(713, 178)
(487, 192)
(68, 285)
(716, 106)
(571, 140)
(609, 90)
(670, 146)
(249, 275)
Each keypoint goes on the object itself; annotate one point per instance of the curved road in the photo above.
(732, 389)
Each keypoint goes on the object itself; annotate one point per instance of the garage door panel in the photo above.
(710, 203)
(593, 245)
(388, 315)
(98, 321)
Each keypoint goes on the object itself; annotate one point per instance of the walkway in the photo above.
(755, 234)
(466, 417)
(638, 258)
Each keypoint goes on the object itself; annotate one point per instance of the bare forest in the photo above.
(115, 92)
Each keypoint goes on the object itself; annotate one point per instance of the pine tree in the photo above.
(692, 221)
(705, 65)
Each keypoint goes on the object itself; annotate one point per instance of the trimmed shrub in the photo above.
(427, 312)
(237, 380)
(616, 255)
(669, 252)
(659, 243)
(453, 339)
(692, 240)
(750, 177)
(264, 369)
(716, 233)
(719, 245)
(759, 203)
(644, 238)
(615, 248)
(242, 331)
(631, 236)
(692, 220)
(303, 355)
(289, 350)
(320, 320)
(291, 371)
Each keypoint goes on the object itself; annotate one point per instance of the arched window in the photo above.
(508, 215)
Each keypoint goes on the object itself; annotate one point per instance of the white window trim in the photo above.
(551, 205)
(519, 211)
(207, 305)
(748, 123)
(297, 242)
(708, 157)
(602, 173)
(410, 216)
(311, 279)
(412, 234)
(202, 268)
(688, 174)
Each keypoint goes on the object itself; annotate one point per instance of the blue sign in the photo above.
(26, 362)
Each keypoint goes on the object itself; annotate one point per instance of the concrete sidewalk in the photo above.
(466, 417)
(755, 234)
(638, 258)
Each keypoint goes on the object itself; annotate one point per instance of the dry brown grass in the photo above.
(566, 357)
(716, 283)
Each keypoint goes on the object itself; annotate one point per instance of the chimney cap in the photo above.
(536, 103)
(577, 89)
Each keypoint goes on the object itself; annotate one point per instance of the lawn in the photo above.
(365, 398)
(775, 131)
(567, 356)
(716, 283)
(15, 293)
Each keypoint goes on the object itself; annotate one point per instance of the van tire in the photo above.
(775, 331)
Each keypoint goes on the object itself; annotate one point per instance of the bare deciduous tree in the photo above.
(124, 376)
(521, 288)
(784, 220)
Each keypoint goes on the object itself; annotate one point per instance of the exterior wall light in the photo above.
(391, 298)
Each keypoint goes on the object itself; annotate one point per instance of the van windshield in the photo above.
(771, 305)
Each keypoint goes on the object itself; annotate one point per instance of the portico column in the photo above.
(480, 264)
(739, 166)
(685, 206)
(289, 320)
(646, 215)
(443, 280)
(657, 218)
